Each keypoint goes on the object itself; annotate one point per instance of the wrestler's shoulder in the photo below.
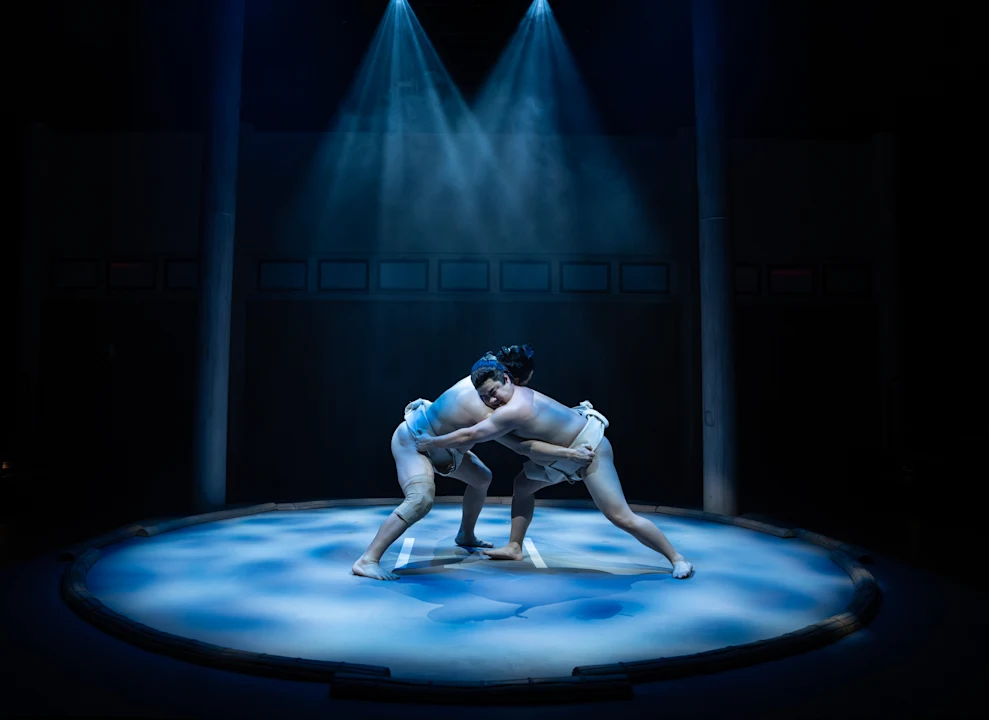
(531, 402)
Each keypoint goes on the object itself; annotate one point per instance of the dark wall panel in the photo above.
(808, 406)
(116, 399)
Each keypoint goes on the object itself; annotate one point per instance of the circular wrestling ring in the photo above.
(586, 614)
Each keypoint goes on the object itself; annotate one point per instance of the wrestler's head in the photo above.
(518, 360)
(492, 381)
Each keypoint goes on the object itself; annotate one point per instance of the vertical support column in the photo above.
(245, 278)
(717, 342)
(689, 338)
(216, 255)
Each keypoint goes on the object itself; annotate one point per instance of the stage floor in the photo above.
(586, 593)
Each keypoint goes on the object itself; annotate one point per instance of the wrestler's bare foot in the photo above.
(373, 570)
(512, 551)
(682, 569)
(465, 541)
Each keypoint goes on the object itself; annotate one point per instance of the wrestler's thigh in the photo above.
(603, 484)
(472, 471)
(409, 462)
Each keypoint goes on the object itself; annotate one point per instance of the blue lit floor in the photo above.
(280, 583)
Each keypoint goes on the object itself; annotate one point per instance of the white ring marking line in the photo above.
(534, 555)
(403, 556)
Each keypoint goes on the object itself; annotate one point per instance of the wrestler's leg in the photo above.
(476, 475)
(523, 505)
(606, 490)
(410, 466)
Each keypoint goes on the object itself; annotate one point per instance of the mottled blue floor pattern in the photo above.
(280, 583)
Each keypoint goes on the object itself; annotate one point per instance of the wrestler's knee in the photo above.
(626, 520)
(474, 472)
(414, 509)
(418, 502)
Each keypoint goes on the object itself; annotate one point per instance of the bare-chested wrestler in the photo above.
(458, 407)
(530, 414)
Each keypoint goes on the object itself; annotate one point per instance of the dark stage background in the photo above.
(326, 427)
(853, 139)
(319, 378)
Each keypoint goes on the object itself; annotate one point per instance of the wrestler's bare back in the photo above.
(458, 407)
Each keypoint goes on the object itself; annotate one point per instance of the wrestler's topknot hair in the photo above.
(487, 368)
(518, 360)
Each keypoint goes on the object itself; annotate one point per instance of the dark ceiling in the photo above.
(807, 68)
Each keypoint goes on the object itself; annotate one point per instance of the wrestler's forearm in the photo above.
(457, 438)
(543, 452)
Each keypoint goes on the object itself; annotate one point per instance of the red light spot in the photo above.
(792, 273)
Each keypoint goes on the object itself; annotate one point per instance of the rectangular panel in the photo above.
(282, 275)
(471, 275)
(344, 275)
(76, 274)
(791, 280)
(585, 277)
(847, 280)
(518, 276)
(645, 277)
(407, 275)
(181, 274)
(131, 275)
(747, 280)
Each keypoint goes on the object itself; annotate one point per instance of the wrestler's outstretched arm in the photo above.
(501, 422)
(543, 453)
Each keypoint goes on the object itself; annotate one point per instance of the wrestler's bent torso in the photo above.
(548, 420)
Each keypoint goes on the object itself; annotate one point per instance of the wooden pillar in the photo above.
(716, 295)
(216, 255)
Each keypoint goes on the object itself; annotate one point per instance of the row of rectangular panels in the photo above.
(515, 276)
(526, 276)
(839, 279)
(392, 275)
(85, 274)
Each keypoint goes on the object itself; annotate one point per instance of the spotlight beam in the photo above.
(552, 153)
